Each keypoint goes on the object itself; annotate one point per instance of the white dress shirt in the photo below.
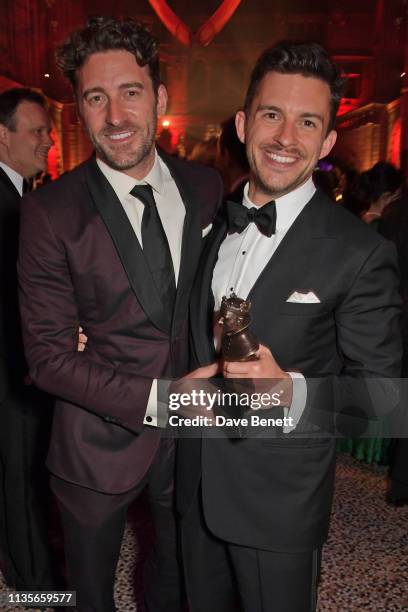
(171, 212)
(242, 258)
(14, 177)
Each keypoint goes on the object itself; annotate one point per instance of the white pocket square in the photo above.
(299, 297)
(206, 230)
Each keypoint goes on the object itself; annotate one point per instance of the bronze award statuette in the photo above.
(237, 342)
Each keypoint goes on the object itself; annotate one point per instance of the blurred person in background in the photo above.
(205, 152)
(394, 226)
(376, 189)
(25, 411)
(164, 141)
(232, 160)
(370, 195)
(327, 181)
(349, 199)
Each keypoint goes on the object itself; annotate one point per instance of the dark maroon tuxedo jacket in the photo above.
(80, 263)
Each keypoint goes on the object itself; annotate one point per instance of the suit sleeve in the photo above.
(368, 319)
(50, 321)
(368, 334)
(369, 343)
(369, 338)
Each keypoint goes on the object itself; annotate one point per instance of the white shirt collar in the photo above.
(122, 183)
(14, 177)
(288, 206)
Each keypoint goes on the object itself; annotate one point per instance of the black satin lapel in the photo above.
(202, 306)
(297, 251)
(127, 246)
(4, 178)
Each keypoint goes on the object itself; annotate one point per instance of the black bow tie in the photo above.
(264, 217)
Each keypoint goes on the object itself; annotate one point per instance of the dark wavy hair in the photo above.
(307, 59)
(108, 34)
(10, 100)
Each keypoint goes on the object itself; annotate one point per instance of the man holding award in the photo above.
(324, 303)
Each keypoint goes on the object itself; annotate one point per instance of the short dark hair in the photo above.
(10, 100)
(108, 34)
(307, 59)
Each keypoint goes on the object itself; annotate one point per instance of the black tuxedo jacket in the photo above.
(394, 226)
(80, 263)
(12, 365)
(276, 493)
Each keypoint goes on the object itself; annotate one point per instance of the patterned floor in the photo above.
(365, 562)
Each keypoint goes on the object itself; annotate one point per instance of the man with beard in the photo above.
(25, 411)
(105, 247)
(323, 287)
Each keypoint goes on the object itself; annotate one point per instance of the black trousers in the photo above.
(25, 498)
(93, 525)
(399, 470)
(225, 577)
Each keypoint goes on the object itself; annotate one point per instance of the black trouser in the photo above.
(25, 499)
(93, 525)
(224, 577)
(399, 470)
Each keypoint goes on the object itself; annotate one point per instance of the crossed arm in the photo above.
(50, 321)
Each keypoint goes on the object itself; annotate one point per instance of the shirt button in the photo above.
(244, 252)
(149, 419)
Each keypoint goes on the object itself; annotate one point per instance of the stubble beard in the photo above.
(130, 159)
(273, 188)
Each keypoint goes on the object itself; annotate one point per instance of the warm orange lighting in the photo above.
(166, 123)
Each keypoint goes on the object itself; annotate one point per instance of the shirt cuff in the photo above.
(155, 416)
(297, 406)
